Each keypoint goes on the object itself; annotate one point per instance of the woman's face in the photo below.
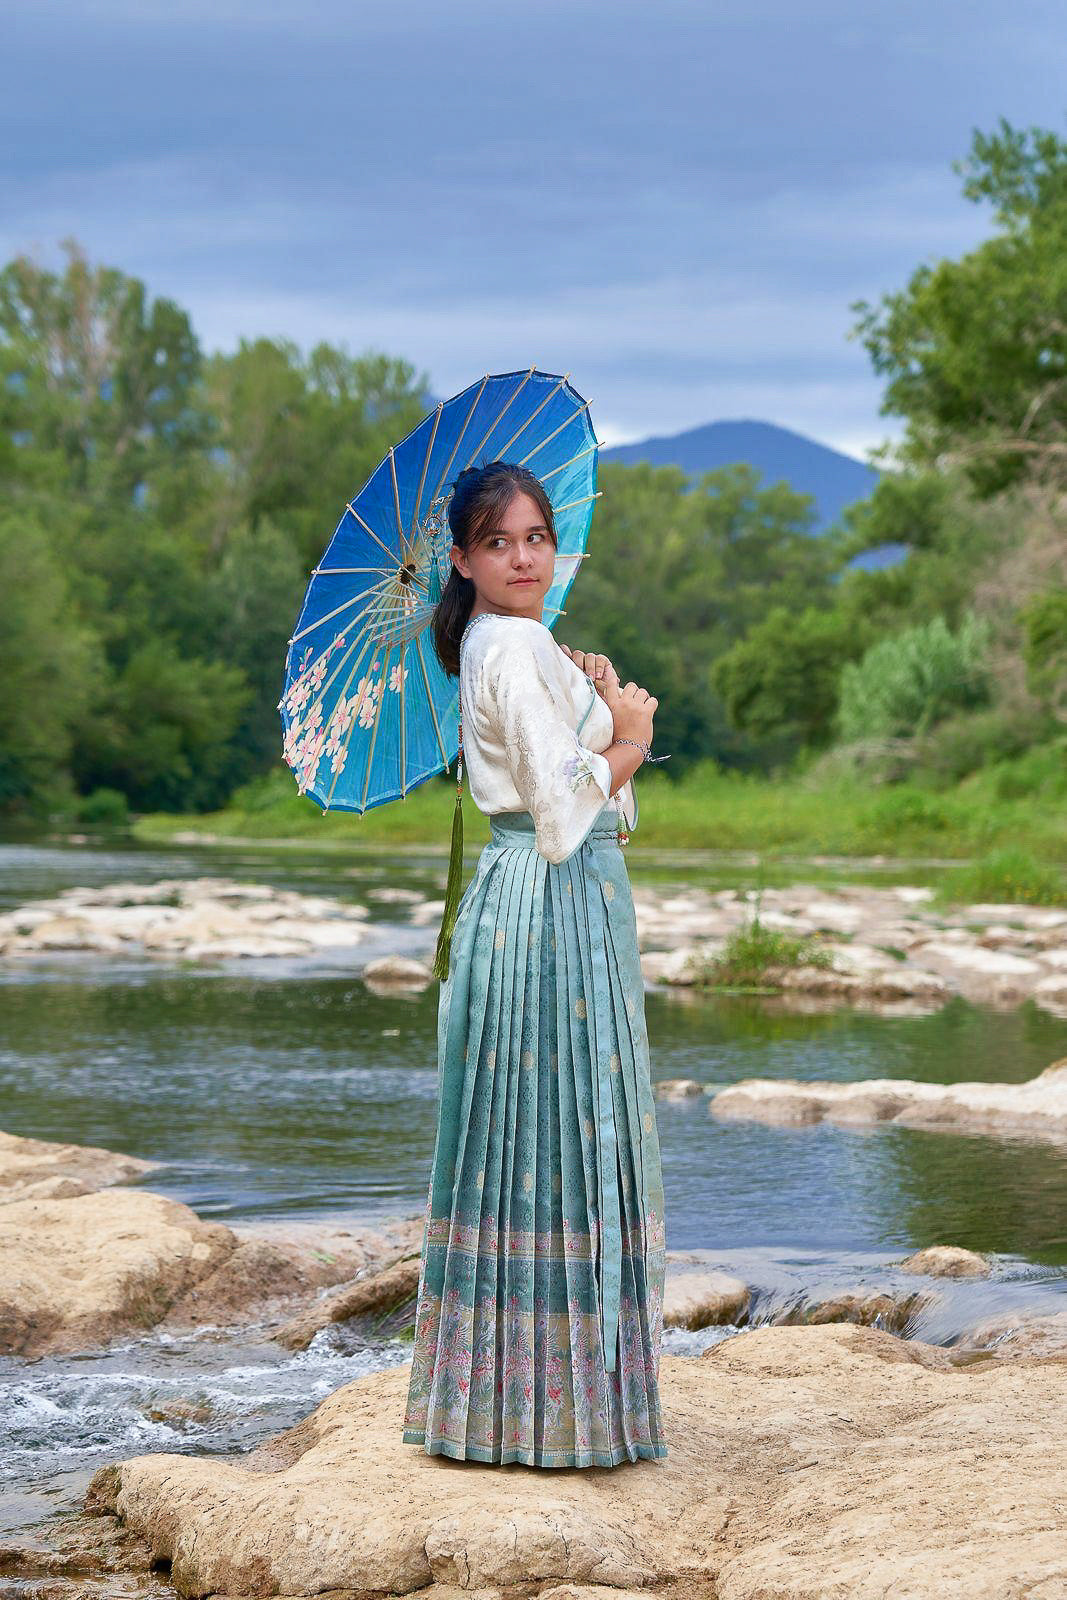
(513, 566)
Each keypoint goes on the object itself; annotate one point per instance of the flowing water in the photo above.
(286, 1089)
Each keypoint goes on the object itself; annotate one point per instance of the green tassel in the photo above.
(455, 873)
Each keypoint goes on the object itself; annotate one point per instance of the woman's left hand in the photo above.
(597, 667)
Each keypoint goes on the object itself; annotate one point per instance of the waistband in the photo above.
(518, 827)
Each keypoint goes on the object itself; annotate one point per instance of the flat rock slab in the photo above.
(50, 1169)
(813, 1462)
(1038, 1106)
(76, 1272)
(192, 918)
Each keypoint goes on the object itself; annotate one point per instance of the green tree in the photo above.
(99, 379)
(904, 684)
(975, 350)
(780, 681)
(50, 663)
(1044, 620)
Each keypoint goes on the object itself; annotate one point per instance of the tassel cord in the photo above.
(455, 872)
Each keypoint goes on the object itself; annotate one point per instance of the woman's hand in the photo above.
(598, 667)
(632, 709)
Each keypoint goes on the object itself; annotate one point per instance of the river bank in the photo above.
(768, 1423)
(708, 809)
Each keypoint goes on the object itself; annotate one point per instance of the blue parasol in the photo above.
(368, 711)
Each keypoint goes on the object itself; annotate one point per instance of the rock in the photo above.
(691, 963)
(379, 1291)
(703, 1299)
(947, 1261)
(45, 1168)
(1009, 1336)
(674, 1089)
(395, 971)
(1040, 1105)
(860, 1306)
(805, 1463)
(76, 1272)
(200, 919)
(430, 911)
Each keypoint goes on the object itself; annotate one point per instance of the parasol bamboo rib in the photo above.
(459, 441)
(583, 501)
(429, 697)
(374, 734)
(549, 437)
(534, 414)
(312, 627)
(403, 729)
(426, 463)
(407, 548)
(501, 415)
(564, 464)
(390, 553)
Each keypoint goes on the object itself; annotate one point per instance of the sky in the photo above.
(674, 202)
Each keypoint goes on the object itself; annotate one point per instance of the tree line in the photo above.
(163, 508)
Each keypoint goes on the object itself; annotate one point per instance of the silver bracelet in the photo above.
(645, 749)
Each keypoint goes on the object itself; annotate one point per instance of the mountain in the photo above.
(832, 478)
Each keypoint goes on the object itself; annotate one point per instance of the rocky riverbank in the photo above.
(823, 1456)
(809, 1462)
(887, 949)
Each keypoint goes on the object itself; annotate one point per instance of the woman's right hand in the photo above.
(632, 709)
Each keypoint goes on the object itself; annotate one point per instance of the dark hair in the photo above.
(481, 496)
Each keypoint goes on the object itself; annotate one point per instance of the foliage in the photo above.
(753, 951)
(909, 681)
(975, 350)
(1010, 876)
(1044, 619)
(781, 679)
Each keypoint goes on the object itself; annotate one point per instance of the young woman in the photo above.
(540, 1306)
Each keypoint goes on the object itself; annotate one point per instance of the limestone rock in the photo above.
(78, 1271)
(48, 1168)
(1039, 1105)
(703, 1299)
(804, 1463)
(947, 1261)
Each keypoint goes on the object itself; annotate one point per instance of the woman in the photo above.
(531, 1343)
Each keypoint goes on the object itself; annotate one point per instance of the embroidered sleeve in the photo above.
(562, 783)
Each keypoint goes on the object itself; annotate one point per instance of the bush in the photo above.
(752, 949)
(969, 741)
(1004, 877)
(904, 684)
(105, 808)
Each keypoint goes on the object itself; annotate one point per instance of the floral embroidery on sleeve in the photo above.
(578, 769)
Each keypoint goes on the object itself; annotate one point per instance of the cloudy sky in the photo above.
(673, 201)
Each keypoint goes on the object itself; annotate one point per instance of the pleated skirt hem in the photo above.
(534, 1458)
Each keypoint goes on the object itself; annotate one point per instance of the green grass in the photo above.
(752, 950)
(709, 809)
(1007, 876)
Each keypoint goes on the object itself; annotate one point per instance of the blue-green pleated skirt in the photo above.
(540, 1303)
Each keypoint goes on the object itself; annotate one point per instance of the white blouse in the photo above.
(523, 700)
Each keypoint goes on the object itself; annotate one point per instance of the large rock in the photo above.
(50, 1169)
(76, 1272)
(804, 1463)
(1039, 1105)
(78, 1267)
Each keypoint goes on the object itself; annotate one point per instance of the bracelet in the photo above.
(645, 749)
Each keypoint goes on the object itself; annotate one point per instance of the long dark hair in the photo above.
(480, 498)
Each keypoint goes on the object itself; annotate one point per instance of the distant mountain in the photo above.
(834, 479)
